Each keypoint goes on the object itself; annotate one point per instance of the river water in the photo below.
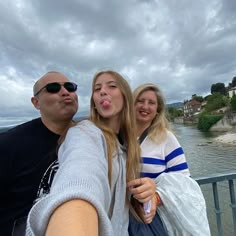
(205, 157)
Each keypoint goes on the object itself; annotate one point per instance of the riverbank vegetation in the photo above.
(174, 112)
(233, 102)
(207, 111)
(206, 120)
(217, 106)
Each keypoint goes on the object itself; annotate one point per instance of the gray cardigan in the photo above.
(83, 173)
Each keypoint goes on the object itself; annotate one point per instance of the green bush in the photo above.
(207, 120)
(215, 101)
(233, 102)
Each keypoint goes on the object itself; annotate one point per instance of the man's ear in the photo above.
(35, 102)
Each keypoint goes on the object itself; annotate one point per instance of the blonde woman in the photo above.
(160, 152)
(169, 201)
(88, 195)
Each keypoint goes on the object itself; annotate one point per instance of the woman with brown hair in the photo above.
(96, 159)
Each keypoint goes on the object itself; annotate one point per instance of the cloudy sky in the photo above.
(183, 46)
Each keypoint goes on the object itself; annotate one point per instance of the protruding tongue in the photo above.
(106, 104)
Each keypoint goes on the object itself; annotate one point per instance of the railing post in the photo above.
(214, 179)
(217, 209)
(233, 202)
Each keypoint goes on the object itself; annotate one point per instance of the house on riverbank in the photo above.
(191, 107)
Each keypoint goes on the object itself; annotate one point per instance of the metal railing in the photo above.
(214, 180)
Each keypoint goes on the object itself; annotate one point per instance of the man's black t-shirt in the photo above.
(26, 151)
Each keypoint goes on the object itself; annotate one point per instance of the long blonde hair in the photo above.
(127, 127)
(160, 124)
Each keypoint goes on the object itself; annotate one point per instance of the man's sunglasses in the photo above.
(56, 87)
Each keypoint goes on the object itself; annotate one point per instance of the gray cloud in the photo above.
(184, 46)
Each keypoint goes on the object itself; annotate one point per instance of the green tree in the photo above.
(197, 98)
(234, 82)
(218, 88)
(233, 102)
(215, 101)
(173, 113)
(206, 97)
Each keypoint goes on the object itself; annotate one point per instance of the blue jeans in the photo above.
(156, 228)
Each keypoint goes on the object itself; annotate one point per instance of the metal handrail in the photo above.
(214, 179)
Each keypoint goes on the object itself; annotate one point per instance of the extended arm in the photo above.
(82, 179)
(75, 217)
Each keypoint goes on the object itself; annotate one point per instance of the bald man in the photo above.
(27, 150)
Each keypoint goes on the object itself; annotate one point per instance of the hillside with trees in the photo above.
(214, 106)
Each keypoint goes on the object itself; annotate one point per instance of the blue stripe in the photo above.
(150, 175)
(155, 161)
(182, 166)
(175, 153)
